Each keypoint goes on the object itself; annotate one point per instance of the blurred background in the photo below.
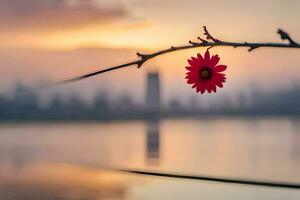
(59, 142)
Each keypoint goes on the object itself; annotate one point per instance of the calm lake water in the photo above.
(72, 160)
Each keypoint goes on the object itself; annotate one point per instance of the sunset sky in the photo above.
(51, 40)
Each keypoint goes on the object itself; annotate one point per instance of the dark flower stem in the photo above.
(210, 42)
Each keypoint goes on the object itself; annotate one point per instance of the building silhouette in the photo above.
(153, 92)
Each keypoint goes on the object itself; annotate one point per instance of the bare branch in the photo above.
(202, 40)
(285, 36)
(251, 46)
(209, 36)
(193, 43)
(210, 43)
(138, 63)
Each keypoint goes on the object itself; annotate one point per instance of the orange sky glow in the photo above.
(60, 39)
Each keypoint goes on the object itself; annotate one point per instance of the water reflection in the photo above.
(221, 147)
(153, 142)
(60, 182)
(66, 161)
(295, 147)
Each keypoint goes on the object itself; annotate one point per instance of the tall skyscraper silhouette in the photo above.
(153, 92)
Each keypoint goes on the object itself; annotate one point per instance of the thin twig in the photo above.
(209, 36)
(285, 36)
(210, 42)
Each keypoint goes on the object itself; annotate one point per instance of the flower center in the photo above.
(205, 73)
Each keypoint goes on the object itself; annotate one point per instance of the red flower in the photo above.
(204, 73)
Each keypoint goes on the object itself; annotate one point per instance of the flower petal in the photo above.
(208, 87)
(220, 85)
(214, 60)
(214, 88)
(202, 87)
(207, 56)
(190, 81)
(220, 68)
(200, 57)
(198, 89)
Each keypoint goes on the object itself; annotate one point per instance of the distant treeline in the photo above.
(24, 105)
